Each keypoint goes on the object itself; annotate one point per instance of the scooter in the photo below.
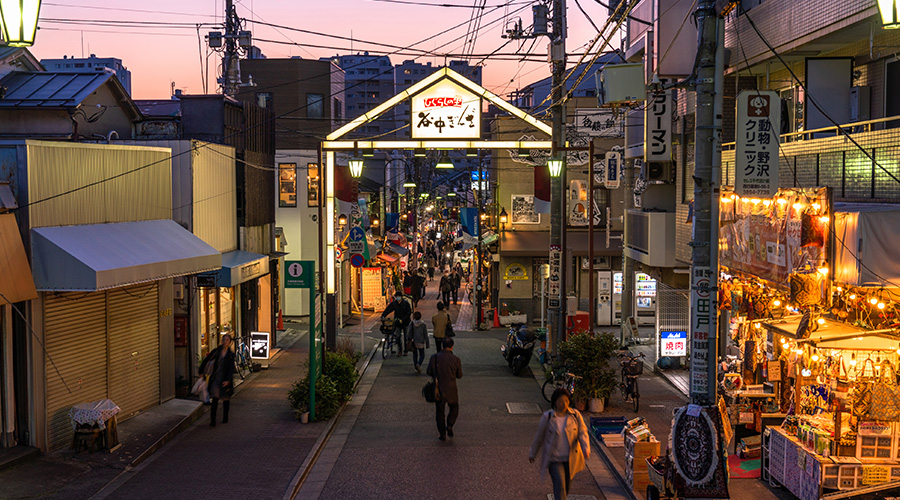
(519, 347)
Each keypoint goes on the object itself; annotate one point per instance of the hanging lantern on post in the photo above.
(18, 22)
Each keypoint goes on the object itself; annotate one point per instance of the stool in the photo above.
(86, 438)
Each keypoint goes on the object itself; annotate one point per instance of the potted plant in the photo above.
(587, 356)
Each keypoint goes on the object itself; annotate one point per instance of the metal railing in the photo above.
(850, 128)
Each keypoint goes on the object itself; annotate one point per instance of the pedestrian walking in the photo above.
(418, 333)
(407, 283)
(439, 323)
(445, 367)
(562, 437)
(455, 282)
(221, 379)
(446, 285)
(415, 289)
(402, 312)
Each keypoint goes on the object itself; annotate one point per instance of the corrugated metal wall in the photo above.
(143, 190)
(215, 196)
(204, 190)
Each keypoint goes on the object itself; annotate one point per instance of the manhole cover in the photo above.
(574, 497)
(524, 408)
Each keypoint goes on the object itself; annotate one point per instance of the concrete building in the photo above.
(368, 82)
(92, 64)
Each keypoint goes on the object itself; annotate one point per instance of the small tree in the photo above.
(588, 356)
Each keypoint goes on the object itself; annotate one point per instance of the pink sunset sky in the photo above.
(158, 40)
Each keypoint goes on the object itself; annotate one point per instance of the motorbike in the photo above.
(519, 347)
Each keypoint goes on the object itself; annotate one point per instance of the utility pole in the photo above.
(707, 166)
(231, 44)
(626, 304)
(558, 209)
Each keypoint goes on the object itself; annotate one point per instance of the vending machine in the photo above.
(604, 298)
(644, 299)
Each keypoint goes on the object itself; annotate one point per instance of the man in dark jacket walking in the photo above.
(445, 367)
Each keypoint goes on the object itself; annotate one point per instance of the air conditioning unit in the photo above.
(620, 83)
(657, 171)
(179, 291)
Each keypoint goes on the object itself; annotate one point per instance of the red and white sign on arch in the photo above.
(445, 110)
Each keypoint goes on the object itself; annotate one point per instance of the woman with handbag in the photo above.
(221, 380)
(564, 439)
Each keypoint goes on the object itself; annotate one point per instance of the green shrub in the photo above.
(328, 400)
(588, 356)
(348, 347)
(341, 369)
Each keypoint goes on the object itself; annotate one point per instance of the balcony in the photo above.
(650, 237)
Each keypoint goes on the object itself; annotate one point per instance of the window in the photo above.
(336, 106)
(287, 185)
(312, 184)
(264, 100)
(79, 65)
(406, 71)
(315, 106)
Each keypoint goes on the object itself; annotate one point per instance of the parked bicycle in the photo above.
(632, 368)
(243, 365)
(393, 337)
(559, 378)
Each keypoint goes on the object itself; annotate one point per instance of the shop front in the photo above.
(235, 300)
(105, 318)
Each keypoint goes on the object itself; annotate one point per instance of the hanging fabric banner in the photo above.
(391, 221)
(541, 189)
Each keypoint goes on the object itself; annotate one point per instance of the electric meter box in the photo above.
(622, 83)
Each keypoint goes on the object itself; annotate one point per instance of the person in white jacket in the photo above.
(564, 439)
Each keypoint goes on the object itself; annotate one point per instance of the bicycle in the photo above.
(392, 337)
(632, 368)
(559, 379)
(242, 362)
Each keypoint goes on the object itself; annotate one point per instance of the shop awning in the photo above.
(836, 335)
(239, 267)
(397, 249)
(94, 257)
(537, 243)
(17, 284)
(387, 257)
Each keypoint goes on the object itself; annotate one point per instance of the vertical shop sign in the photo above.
(658, 126)
(700, 348)
(553, 288)
(756, 172)
(613, 166)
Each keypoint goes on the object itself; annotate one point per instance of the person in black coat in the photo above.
(445, 367)
(219, 365)
(402, 312)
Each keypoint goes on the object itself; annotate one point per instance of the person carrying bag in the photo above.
(563, 438)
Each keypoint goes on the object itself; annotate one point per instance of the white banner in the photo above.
(756, 173)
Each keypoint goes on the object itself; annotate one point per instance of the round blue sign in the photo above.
(357, 260)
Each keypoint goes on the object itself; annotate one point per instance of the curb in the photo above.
(310, 461)
(613, 467)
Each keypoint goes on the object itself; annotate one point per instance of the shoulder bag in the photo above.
(430, 391)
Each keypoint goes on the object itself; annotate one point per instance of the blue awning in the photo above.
(93, 257)
(397, 249)
(240, 266)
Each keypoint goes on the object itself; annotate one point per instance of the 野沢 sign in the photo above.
(673, 343)
(756, 171)
(445, 110)
(259, 345)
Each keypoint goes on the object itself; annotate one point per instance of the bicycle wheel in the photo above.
(385, 346)
(239, 367)
(635, 398)
(548, 388)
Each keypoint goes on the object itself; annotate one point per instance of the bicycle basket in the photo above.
(634, 366)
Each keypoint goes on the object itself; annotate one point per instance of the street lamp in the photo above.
(356, 166)
(889, 18)
(444, 162)
(555, 165)
(18, 22)
(375, 222)
(504, 218)
(409, 183)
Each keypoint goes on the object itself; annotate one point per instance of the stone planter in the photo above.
(595, 405)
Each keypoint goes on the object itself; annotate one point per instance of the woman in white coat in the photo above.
(564, 439)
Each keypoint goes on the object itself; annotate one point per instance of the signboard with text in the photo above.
(673, 343)
(445, 110)
(613, 167)
(259, 345)
(299, 274)
(756, 171)
(701, 303)
(553, 288)
(658, 126)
